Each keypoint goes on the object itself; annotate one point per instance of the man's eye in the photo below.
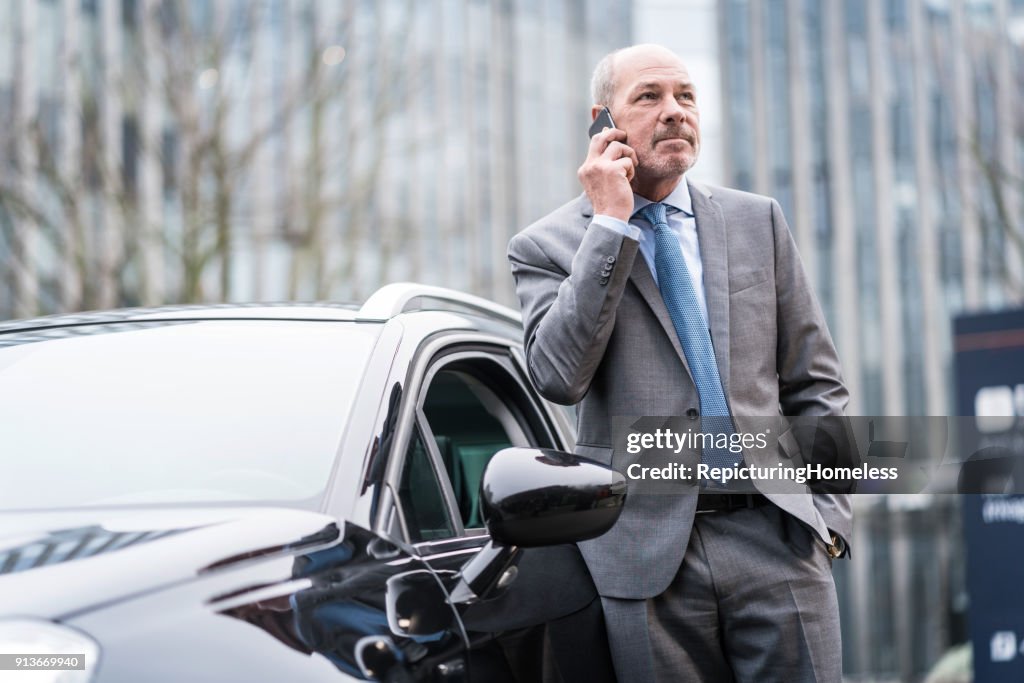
(688, 96)
(648, 96)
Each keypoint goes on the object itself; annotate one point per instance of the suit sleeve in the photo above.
(569, 312)
(810, 376)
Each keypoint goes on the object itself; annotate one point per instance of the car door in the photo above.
(473, 401)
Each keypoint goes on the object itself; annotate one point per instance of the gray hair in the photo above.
(602, 83)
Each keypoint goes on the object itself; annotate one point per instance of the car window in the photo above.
(463, 415)
(470, 406)
(474, 408)
(426, 513)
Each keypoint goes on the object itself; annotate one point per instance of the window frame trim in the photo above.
(447, 494)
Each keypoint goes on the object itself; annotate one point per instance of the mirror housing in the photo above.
(533, 497)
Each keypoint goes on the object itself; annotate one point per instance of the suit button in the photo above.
(606, 272)
(692, 413)
(603, 281)
(610, 260)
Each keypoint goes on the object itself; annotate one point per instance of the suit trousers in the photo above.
(753, 601)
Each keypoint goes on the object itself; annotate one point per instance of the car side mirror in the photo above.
(533, 497)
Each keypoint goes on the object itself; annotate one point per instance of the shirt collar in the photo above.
(678, 199)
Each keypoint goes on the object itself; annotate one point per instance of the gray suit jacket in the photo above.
(612, 349)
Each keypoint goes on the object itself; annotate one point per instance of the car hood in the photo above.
(62, 563)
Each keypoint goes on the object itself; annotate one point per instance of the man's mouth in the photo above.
(684, 138)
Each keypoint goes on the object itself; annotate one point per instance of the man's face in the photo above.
(655, 102)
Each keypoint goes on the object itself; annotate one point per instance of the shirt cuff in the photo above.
(621, 227)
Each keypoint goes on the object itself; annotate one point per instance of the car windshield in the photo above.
(176, 412)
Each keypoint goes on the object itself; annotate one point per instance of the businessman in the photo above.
(651, 294)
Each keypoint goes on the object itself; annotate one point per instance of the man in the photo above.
(654, 295)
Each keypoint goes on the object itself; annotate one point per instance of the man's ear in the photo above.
(594, 111)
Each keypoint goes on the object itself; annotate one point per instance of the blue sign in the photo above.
(989, 366)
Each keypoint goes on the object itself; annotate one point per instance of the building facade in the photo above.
(877, 125)
(891, 133)
(165, 151)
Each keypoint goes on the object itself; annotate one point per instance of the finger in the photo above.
(631, 153)
(627, 167)
(599, 142)
(616, 150)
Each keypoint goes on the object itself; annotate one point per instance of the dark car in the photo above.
(293, 492)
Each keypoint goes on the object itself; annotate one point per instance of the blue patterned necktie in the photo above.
(681, 301)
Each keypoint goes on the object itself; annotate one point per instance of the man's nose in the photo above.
(672, 111)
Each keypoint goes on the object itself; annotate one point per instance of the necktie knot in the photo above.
(655, 214)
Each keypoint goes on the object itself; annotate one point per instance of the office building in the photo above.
(888, 130)
(163, 151)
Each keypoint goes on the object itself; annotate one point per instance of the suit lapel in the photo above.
(714, 255)
(641, 278)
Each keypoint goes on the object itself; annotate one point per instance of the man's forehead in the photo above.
(653, 77)
(653, 65)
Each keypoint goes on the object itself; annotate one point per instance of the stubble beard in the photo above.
(654, 167)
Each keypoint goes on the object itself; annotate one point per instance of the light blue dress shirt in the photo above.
(680, 221)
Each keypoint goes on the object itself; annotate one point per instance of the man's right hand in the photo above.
(607, 172)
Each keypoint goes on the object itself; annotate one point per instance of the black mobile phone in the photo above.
(603, 120)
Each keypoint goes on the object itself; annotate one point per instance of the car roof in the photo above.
(261, 311)
(386, 303)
